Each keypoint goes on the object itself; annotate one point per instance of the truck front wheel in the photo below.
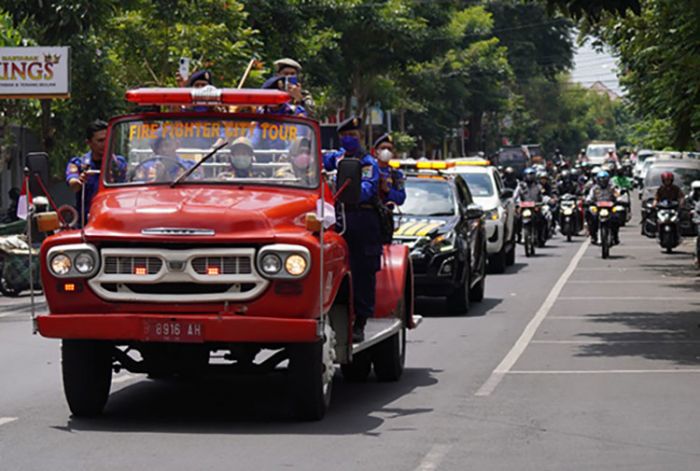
(87, 375)
(311, 370)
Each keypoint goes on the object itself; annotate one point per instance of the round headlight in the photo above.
(85, 262)
(61, 264)
(271, 264)
(295, 265)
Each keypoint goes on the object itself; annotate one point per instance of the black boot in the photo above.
(358, 330)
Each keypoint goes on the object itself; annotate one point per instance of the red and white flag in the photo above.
(25, 198)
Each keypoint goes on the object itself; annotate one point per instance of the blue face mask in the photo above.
(200, 109)
(350, 143)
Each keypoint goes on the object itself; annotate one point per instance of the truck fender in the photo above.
(395, 283)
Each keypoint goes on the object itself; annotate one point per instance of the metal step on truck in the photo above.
(190, 249)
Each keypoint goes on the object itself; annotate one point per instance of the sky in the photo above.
(591, 66)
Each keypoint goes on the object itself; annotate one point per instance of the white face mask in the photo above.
(385, 155)
(242, 162)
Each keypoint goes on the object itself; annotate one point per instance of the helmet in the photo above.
(695, 186)
(542, 174)
(565, 175)
(575, 172)
(603, 178)
(530, 174)
(596, 170)
(582, 180)
(667, 178)
(509, 172)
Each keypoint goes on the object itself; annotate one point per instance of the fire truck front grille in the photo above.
(132, 265)
(178, 275)
(224, 265)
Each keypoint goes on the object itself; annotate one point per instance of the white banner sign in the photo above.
(34, 72)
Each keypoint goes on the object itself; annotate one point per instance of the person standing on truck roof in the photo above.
(76, 170)
(290, 68)
(392, 182)
(280, 82)
(362, 223)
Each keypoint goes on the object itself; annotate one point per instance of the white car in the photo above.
(488, 191)
(597, 152)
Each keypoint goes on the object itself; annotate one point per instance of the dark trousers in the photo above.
(364, 241)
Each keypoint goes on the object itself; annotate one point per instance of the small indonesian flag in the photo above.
(25, 199)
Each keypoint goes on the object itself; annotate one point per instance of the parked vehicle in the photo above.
(486, 187)
(444, 230)
(668, 225)
(175, 263)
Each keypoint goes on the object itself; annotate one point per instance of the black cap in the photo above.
(200, 75)
(386, 137)
(353, 123)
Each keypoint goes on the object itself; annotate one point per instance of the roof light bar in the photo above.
(209, 95)
(422, 164)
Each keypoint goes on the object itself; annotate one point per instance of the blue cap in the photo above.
(200, 75)
(353, 123)
(274, 83)
(382, 139)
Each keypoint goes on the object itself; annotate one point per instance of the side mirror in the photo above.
(349, 181)
(38, 165)
(507, 193)
(474, 211)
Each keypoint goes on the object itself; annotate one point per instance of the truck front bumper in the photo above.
(215, 328)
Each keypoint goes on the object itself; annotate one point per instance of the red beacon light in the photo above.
(208, 95)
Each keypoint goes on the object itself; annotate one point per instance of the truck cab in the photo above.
(216, 231)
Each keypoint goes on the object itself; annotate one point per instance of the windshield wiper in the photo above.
(444, 213)
(191, 170)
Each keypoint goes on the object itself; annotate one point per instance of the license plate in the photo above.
(173, 331)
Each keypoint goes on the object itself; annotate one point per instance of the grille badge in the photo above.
(177, 231)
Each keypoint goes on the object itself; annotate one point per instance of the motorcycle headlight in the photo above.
(604, 212)
(61, 264)
(568, 211)
(527, 213)
(284, 261)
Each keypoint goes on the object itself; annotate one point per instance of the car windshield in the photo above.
(511, 156)
(598, 151)
(428, 198)
(480, 184)
(254, 151)
(682, 176)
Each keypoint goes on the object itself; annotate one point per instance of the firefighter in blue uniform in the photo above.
(391, 181)
(76, 177)
(362, 232)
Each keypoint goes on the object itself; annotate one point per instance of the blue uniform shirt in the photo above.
(370, 173)
(74, 168)
(396, 182)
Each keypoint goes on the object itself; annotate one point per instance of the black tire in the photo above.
(528, 238)
(498, 261)
(604, 241)
(476, 293)
(568, 236)
(458, 301)
(389, 357)
(311, 394)
(357, 371)
(87, 375)
(510, 255)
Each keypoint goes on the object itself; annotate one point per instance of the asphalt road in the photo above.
(570, 363)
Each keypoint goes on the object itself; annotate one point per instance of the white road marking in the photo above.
(521, 344)
(434, 457)
(7, 420)
(577, 372)
(658, 281)
(123, 378)
(628, 298)
(605, 342)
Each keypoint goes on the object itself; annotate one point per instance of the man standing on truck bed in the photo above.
(362, 224)
(76, 176)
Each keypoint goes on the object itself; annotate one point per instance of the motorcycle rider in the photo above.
(510, 179)
(529, 189)
(668, 191)
(602, 190)
(695, 196)
(566, 184)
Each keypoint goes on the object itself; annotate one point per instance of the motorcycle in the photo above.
(570, 222)
(14, 265)
(667, 225)
(648, 218)
(624, 206)
(530, 217)
(604, 212)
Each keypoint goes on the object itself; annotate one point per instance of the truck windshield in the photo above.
(259, 151)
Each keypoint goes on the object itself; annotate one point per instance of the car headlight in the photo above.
(284, 261)
(271, 264)
(84, 262)
(73, 260)
(61, 264)
(444, 242)
(295, 265)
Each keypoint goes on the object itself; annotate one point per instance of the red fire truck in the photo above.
(217, 230)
